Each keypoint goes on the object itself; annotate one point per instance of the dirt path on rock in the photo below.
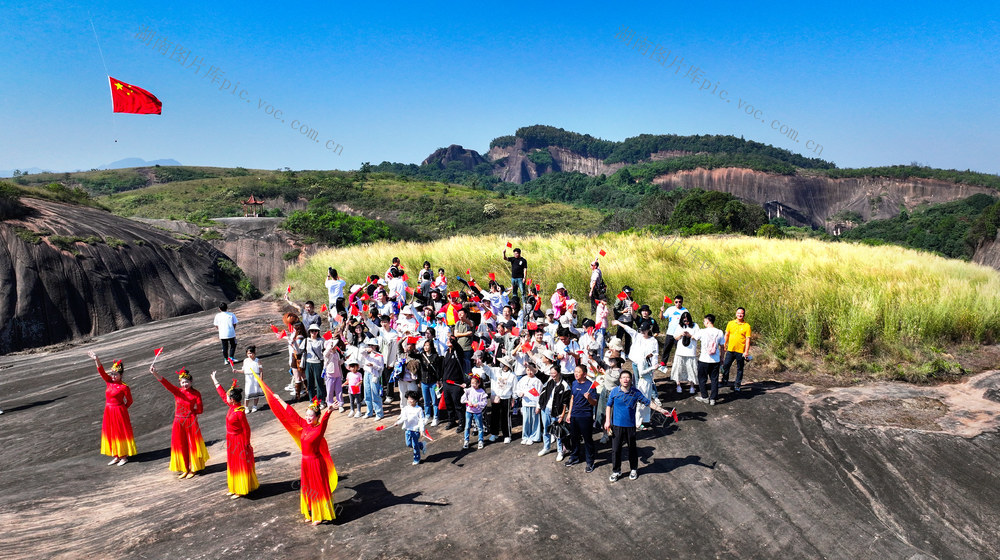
(778, 470)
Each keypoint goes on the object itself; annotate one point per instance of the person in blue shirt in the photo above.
(620, 421)
(581, 419)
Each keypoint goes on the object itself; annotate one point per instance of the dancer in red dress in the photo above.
(187, 448)
(319, 476)
(241, 475)
(117, 439)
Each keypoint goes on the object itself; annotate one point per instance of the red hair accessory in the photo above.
(183, 374)
(314, 405)
(117, 366)
(233, 386)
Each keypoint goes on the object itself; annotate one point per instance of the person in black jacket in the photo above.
(453, 376)
(553, 402)
(430, 377)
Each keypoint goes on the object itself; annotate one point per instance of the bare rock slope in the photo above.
(68, 271)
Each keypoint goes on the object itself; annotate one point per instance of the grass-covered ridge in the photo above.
(850, 309)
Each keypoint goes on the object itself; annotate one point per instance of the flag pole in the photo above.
(106, 73)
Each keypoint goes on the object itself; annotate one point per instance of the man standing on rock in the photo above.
(518, 266)
(226, 323)
(737, 348)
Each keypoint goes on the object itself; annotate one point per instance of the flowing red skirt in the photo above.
(241, 474)
(117, 439)
(187, 447)
(316, 502)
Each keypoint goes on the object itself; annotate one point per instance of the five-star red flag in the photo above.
(533, 392)
(666, 299)
(622, 296)
(635, 306)
(602, 252)
(157, 351)
(509, 245)
(127, 98)
(323, 309)
(673, 414)
(327, 335)
(492, 276)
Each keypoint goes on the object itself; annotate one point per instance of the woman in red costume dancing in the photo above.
(116, 430)
(241, 475)
(319, 476)
(187, 448)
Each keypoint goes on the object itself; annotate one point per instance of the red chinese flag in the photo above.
(275, 329)
(441, 405)
(602, 252)
(453, 294)
(666, 299)
(157, 351)
(379, 428)
(492, 276)
(527, 282)
(509, 245)
(532, 326)
(338, 318)
(428, 434)
(477, 299)
(231, 362)
(409, 290)
(593, 385)
(635, 306)
(590, 331)
(323, 309)
(622, 296)
(413, 339)
(538, 286)
(468, 272)
(673, 414)
(487, 314)
(283, 334)
(127, 98)
(327, 335)
(515, 331)
(599, 325)
(405, 278)
(533, 392)
(354, 310)
(289, 290)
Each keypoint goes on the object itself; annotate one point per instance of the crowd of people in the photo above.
(479, 359)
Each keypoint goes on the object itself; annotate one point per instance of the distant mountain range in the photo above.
(120, 164)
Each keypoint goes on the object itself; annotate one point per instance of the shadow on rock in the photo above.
(34, 404)
(373, 496)
(667, 464)
(272, 489)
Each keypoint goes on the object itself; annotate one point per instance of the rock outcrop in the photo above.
(260, 248)
(443, 156)
(68, 271)
(988, 253)
(816, 200)
(513, 164)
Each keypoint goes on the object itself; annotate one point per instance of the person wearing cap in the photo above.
(646, 316)
(737, 348)
(188, 454)
(406, 324)
(672, 315)
(559, 301)
(643, 354)
(117, 439)
(598, 289)
(315, 386)
(502, 381)
(518, 266)
(241, 473)
(552, 404)
(335, 290)
(373, 363)
(355, 382)
(624, 314)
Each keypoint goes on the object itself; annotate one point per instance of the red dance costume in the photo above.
(315, 498)
(117, 439)
(240, 472)
(187, 447)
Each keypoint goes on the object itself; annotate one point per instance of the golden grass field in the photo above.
(883, 312)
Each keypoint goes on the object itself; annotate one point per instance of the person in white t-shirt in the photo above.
(685, 366)
(226, 323)
(335, 287)
(712, 340)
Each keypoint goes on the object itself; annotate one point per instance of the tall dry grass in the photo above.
(874, 309)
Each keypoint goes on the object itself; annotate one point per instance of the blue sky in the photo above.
(872, 85)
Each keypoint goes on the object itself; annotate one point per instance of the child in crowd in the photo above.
(354, 380)
(474, 398)
(251, 365)
(411, 417)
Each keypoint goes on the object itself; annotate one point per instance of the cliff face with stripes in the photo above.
(71, 271)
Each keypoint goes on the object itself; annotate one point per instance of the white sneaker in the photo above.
(112, 461)
(633, 475)
(506, 440)
(559, 456)
(465, 444)
(341, 408)
(388, 400)
(712, 402)
(434, 422)
(543, 451)
(480, 446)
(123, 461)
(701, 399)
(530, 441)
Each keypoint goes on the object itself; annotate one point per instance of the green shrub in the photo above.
(336, 228)
(210, 234)
(233, 280)
(292, 255)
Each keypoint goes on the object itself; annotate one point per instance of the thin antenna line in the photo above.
(106, 73)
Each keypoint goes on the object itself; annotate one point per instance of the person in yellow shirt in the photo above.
(737, 348)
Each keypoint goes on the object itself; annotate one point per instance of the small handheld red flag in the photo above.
(538, 286)
(602, 252)
(515, 331)
(157, 351)
(428, 434)
(327, 335)
(532, 326)
(289, 290)
(338, 318)
(453, 294)
(126, 98)
(622, 296)
(673, 414)
(405, 278)
(413, 339)
(533, 392)
(441, 405)
(468, 272)
(275, 329)
(354, 310)
(492, 276)
(509, 245)
(635, 306)
(527, 281)
(232, 364)
(594, 385)
(409, 290)
(666, 299)
(323, 309)
(379, 428)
